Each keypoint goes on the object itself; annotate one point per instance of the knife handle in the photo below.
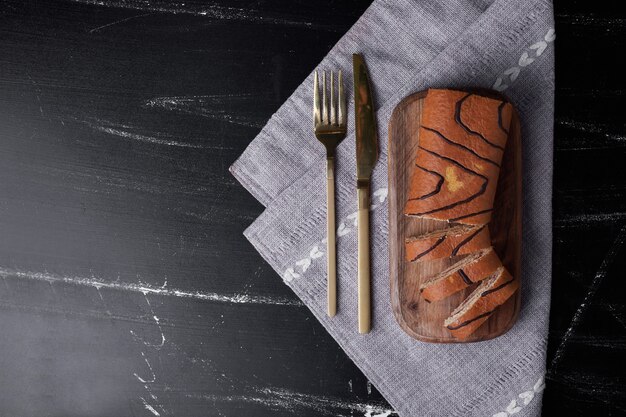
(331, 230)
(364, 285)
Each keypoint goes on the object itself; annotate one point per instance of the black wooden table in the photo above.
(127, 286)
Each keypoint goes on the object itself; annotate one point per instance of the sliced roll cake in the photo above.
(473, 268)
(462, 138)
(481, 303)
(455, 241)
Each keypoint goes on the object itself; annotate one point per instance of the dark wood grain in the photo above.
(118, 121)
(421, 320)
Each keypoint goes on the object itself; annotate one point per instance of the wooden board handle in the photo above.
(364, 285)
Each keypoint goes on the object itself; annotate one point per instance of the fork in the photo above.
(330, 129)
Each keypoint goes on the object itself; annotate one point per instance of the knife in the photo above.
(366, 156)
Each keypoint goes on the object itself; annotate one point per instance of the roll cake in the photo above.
(461, 143)
(462, 138)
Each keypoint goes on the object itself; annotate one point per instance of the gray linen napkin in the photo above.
(409, 46)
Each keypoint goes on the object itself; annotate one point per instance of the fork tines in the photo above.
(333, 114)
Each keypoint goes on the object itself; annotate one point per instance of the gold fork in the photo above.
(330, 129)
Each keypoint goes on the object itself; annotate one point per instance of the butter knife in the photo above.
(366, 156)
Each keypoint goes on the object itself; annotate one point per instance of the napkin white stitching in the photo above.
(516, 405)
(343, 230)
(509, 75)
(304, 264)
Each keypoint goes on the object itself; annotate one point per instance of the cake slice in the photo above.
(457, 240)
(481, 303)
(473, 268)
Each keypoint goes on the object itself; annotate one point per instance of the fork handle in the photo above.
(331, 238)
(364, 285)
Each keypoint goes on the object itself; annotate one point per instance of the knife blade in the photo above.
(365, 122)
(366, 156)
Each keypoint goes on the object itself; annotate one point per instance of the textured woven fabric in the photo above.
(409, 46)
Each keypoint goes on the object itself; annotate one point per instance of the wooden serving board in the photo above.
(422, 320)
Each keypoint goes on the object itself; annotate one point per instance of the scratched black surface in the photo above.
(128, 288)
